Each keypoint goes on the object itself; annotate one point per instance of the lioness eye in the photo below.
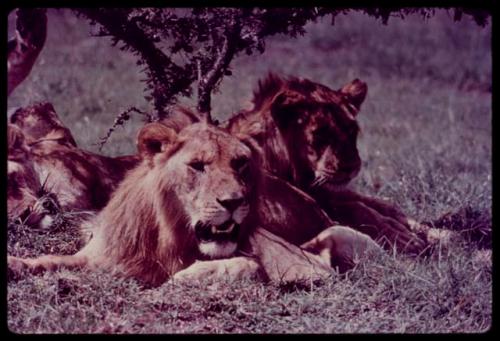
(197, 165)
(239, 164)
(321, 137)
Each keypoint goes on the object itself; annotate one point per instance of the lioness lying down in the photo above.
(190, 209)
(308, 134)
(46, 152)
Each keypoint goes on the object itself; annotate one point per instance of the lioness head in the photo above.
(318, 126)
(209, 175)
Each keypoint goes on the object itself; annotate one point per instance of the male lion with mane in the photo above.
(192, 204)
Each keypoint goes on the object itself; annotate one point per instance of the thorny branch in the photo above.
(207, 83)
(181, 47)
(120, 121)
(168, 79)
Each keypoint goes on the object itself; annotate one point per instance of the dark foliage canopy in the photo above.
(183, 48)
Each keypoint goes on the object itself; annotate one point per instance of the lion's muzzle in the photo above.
(217, 241)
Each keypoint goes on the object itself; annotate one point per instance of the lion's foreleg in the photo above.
(220, 269)
(382, 207)
(385, 229)
(46, 263)
(342, 246)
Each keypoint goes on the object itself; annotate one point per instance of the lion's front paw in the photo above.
(434, 236)
(222, 269)
(394, 234)
(417, 227)
(14, 263)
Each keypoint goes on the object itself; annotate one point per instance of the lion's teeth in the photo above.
(226, 229)
(214, 229)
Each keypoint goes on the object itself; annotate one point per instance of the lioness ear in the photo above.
(356, 92)
(155, 138)
(281, 105)
(15, 137)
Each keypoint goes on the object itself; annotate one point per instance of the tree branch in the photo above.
(120, 121)
(207, 83)
(162, 72)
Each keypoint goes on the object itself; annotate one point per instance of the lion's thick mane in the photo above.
(145, 231)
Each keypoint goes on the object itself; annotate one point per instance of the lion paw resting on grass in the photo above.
(194, 197)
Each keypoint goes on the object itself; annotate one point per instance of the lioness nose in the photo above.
(231, 204)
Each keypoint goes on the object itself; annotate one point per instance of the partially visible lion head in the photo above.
(308, 131)
(26, 198)
(40, 122)
(80, 180)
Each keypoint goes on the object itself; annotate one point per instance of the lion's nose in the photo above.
(231, 204)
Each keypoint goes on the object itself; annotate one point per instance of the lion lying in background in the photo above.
(195, 197)
(26, 199)
(77, 179)
(308, 134)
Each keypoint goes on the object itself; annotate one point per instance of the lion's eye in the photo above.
(197, 166)
(322, 136)
(240, 164)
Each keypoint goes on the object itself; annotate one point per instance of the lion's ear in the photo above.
(356, 92)
(282, 106)
(155, 138)
(180, 117)
(15, 138)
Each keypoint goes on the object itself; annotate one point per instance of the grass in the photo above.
(394, 296)
(425, 145)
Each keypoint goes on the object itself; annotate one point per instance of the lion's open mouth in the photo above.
(217, 241)
(228, 231)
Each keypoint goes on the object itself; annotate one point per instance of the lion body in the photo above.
(147, 230)
(307, 134)
(80, 180)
